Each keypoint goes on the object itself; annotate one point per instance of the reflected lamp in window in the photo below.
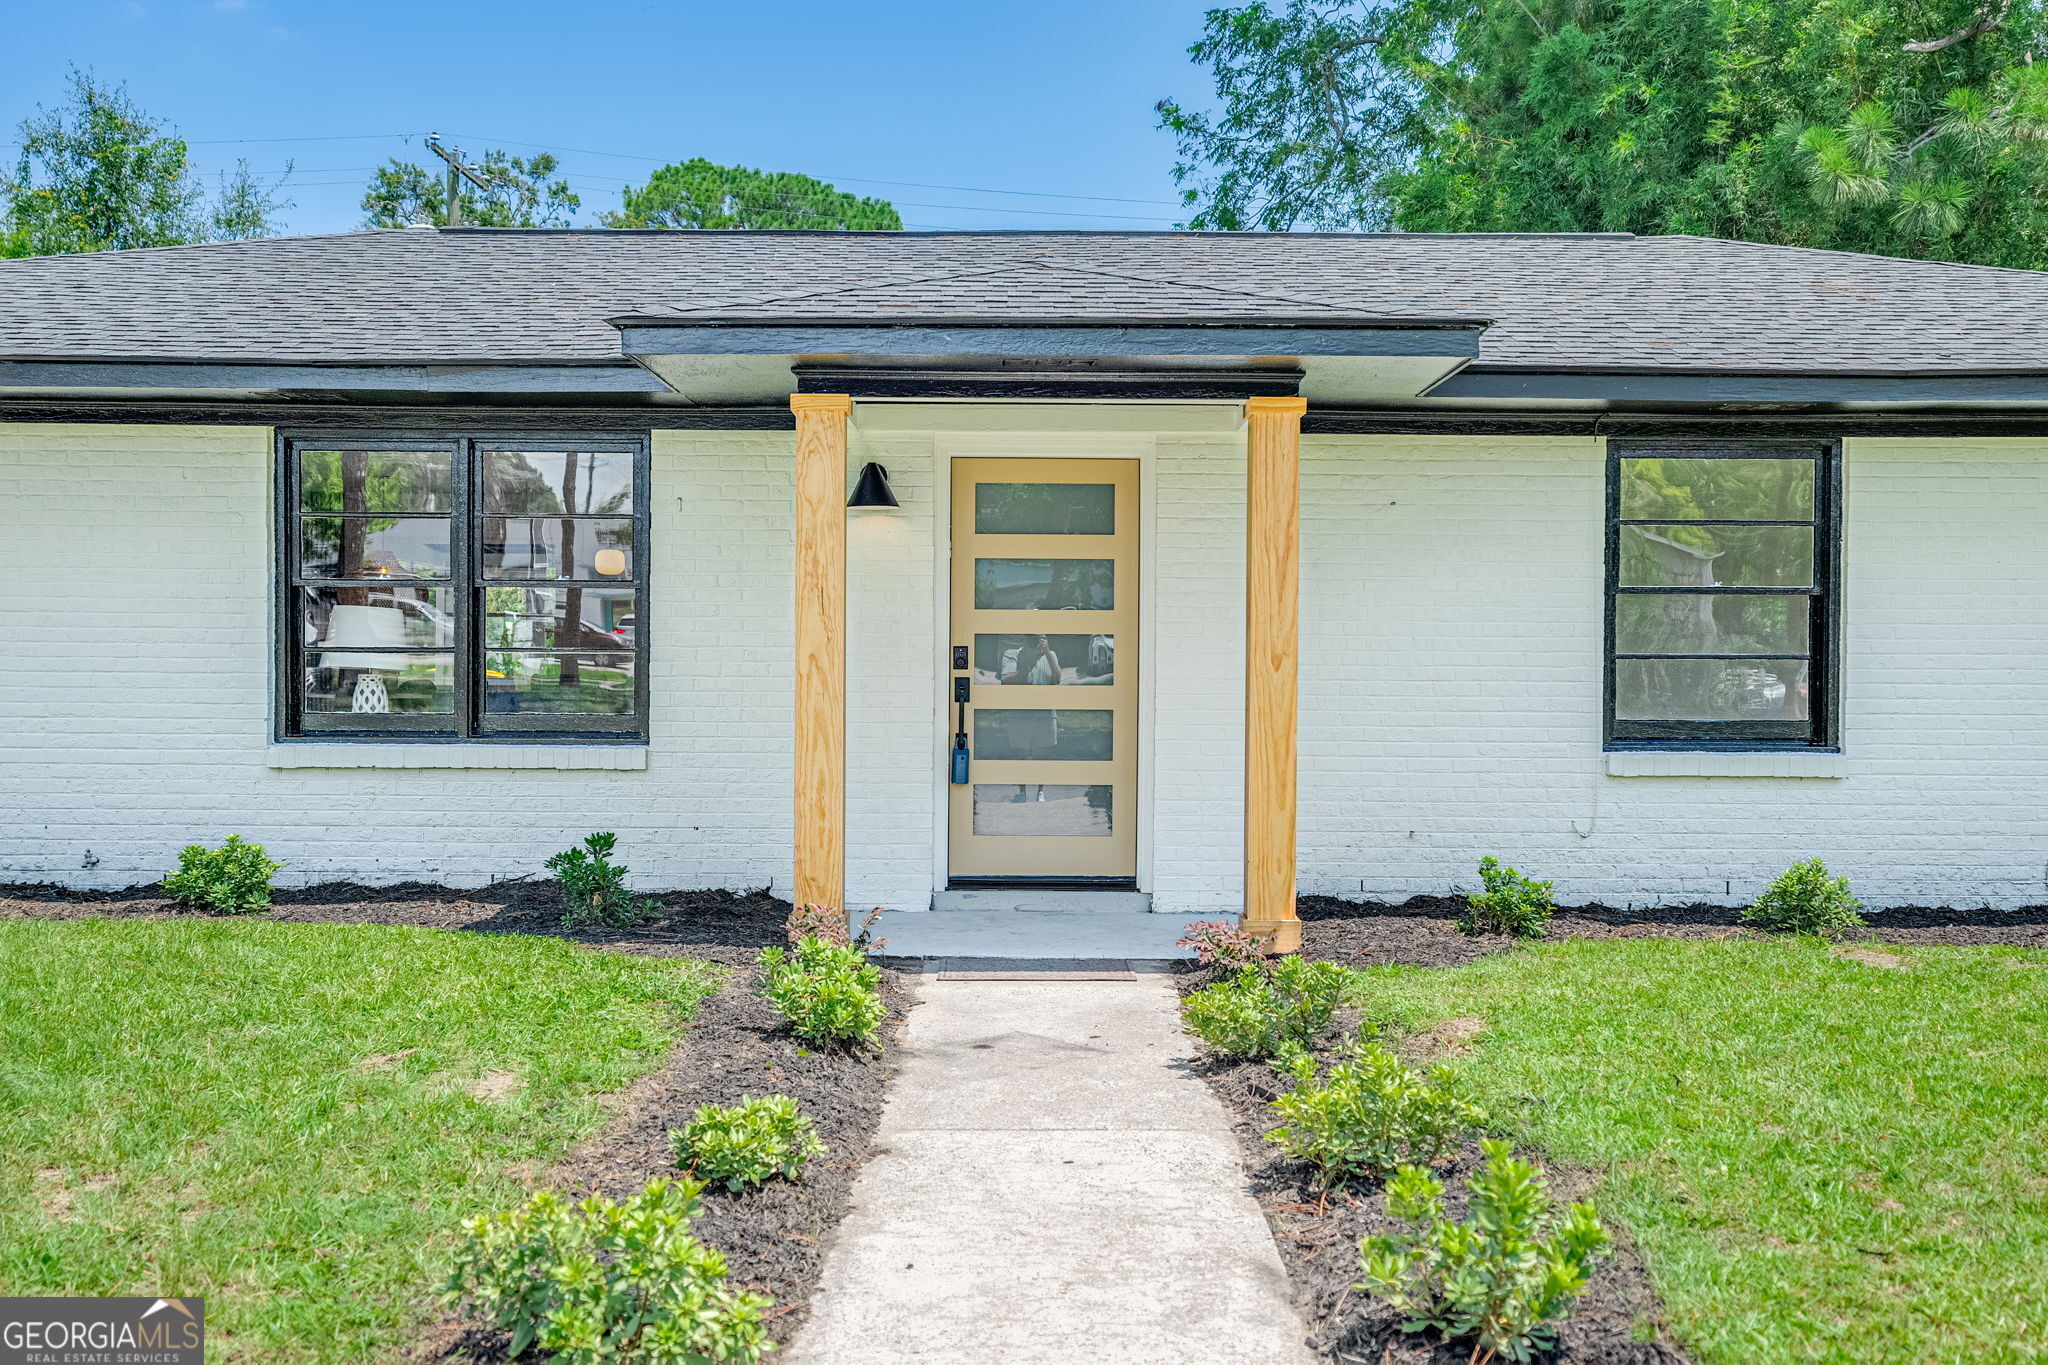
(463, 589)
(1721, 567)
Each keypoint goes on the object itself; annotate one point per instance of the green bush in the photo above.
(1511, 904)
(594, 887)
(1806, 900)
(1267, 1010)
(1506, 1277)
(598, 1283)
(1370, 1113)
(827, 991)
(230, 880)
(746, 1143)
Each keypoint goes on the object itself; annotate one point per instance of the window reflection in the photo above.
(1031, 733)
(1042, 810)
(1044, 660)
(1045, 584)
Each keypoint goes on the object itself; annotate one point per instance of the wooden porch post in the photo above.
(1271, 664)
(821, 647)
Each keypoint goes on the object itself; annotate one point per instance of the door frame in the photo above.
(1058, 445)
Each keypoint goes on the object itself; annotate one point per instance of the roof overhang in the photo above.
(759, 360)
(1605, 388)
(194, 379)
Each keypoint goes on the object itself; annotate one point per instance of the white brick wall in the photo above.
(134, 681)
(1451, 628)
(1451, 636)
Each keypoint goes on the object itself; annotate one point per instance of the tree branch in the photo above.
(1989, 17)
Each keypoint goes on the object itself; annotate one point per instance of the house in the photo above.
(1227, 563)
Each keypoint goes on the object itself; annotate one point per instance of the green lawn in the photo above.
(289, 1119)
(1821, 1160)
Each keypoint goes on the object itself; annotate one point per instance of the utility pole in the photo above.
(457, 173)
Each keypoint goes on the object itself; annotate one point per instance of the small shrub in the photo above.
(746, 1143)
(598, 1283)
(594, 887)
(1511, 904)
(1806, 900)
(1370, 1113)
(827, 991)
(1507, 1276)
(1267, 1010)
(828, 922)
(230, 880)
(1218, 943)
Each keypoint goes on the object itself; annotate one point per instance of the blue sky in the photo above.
(1053, 97)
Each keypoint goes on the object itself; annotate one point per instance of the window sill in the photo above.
(605, 757)
(1704, 764)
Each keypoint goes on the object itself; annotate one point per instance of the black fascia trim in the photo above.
(608, 378)
(927, 339)
(579, 419)
(1646, 387)
(1706, 425)
(1164, 385)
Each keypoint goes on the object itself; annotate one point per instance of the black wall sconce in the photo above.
(871, 492)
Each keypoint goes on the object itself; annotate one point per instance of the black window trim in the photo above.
(465, 515)
(1821, 732)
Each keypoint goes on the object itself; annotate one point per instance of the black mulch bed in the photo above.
(723, 926)
(1420, 933)
(1319, 1239)
(774, 1238)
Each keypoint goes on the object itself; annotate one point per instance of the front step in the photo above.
(1030, 899)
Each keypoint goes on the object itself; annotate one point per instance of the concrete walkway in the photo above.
(1076, 932)
(1051, 1185)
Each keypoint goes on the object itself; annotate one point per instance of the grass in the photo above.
(290, 1119)
(1820, 1159)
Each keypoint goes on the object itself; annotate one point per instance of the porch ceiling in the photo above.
(757, 360)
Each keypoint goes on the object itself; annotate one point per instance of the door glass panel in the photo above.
(373, 547)
(1717, 556)
(1064, 735)
(1703, 623)
(1043, 660)
(1041, 810)
(1044, 584)
(1045, 509)
(1710, 689)
(1676, 489)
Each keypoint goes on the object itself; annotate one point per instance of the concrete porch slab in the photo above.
(1036, 900)
(1032, 933)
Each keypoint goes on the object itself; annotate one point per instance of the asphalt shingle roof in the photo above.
(1670, 304)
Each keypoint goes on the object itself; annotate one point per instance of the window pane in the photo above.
(1043, 660)
(365, 683)
(374, 547)
(374, 481)
(1045, 584)
(1687, 623)
(537, 482)
(1045, 509)
(1069, 736)
(1676, 489)
(520, 547)
(1710, 689)
(1717, 556)
(517, 682)
(1042, 811)
(559, 618)
(377, 618)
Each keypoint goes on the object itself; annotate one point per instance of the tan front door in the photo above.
(1045, 602)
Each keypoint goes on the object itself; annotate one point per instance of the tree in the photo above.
(702, 194)
(1918, 131)
(524, 192)
(97, 174)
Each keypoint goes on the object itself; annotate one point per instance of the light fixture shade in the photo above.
(609, 562)
(871, 491)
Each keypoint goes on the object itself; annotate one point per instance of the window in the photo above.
(1720, 595)
(464, 589)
